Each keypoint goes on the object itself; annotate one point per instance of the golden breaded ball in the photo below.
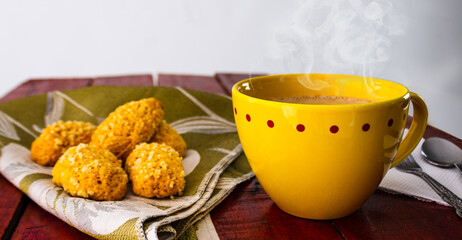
(129, 125)
(155, 170)
(166, 134)
(89, 172)
(57, 138)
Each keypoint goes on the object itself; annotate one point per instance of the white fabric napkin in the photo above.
(412, 185)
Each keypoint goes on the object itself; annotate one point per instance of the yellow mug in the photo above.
(324, 161)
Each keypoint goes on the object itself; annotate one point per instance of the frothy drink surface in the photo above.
(322, 100)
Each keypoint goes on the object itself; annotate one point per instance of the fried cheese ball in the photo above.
(89, 172)
(55, 139)
(166, 134)
(155, 170)
(127, 126)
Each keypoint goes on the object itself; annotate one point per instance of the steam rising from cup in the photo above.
(337, 36)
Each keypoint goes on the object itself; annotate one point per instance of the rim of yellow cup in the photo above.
(375, 103)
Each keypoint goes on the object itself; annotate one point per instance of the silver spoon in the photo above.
(442, 153)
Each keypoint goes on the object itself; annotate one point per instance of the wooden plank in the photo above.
(10, 200)
(435, 132)
(390, 216)
(227, 80)
(200, 83)
(249, 213)
(39, 86)
(39, 224)
(431, 131)
(129, 80)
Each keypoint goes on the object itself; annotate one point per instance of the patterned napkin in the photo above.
(409, 184)
(214, 163)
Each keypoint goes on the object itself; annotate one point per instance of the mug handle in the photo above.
(416, 131)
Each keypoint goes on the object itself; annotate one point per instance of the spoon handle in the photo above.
(444, 193)
(458, 166)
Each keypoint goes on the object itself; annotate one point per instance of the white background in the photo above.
(62, 38)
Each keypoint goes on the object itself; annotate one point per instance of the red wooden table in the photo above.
(248, 213)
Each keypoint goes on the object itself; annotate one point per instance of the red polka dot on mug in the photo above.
(334, 129)
(390, 122)
(366, 127)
